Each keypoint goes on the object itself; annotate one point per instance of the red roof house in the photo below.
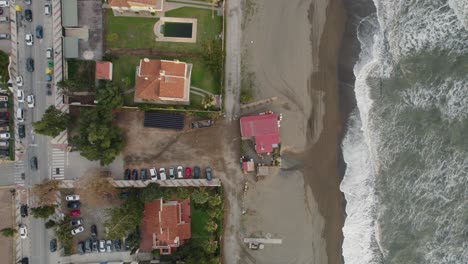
(165, 226)
(263, 129)
(103, 70)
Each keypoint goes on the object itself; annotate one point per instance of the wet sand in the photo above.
(292, 49)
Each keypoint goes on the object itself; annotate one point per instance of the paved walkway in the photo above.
(69, 184)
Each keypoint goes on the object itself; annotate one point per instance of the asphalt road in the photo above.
(36, 145)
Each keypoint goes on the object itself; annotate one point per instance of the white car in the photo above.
(19, 80)
(180, 170)
(102, 246)
(29, 39)
(162, 174)
(77, 230)
(73, 197)
(30, 100)
(20, 95)
(49, 53)
(153, 174)
(5, 135)
(23, 230)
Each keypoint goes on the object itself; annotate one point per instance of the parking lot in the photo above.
(5, 44)
(154, 147)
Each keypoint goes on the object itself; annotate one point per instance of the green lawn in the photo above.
(199, 219)
(137, 32)
(124, 68)
(82, 72)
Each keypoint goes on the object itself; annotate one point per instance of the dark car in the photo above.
(33, 163)
(4, 152)
(134, 175)
(95, 246)
(208, 173)
(28, 15)
(30, 65)
(117, 245)
(88, 245)
(93, 230)
(39, 32)
(127, 174)
(127, 244)
(4, 115)
(196, 172)
(143, 174)
(80, 248)
(3, 104)
(76, 222)
(53, 245)
(21, 131)
(1, 11)
(73, 204)
(24, 261)
(24, 210)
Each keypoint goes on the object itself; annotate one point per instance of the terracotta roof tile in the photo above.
(103, 70)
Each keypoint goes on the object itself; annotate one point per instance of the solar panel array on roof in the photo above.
(164, 120)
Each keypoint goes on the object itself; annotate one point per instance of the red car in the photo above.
(75, 213)
(188, 172)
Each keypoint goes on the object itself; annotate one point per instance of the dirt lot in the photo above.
(152, 147)
(6, 220)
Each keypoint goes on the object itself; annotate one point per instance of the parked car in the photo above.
(75, 213)
(39, 32)
(3, 98)
(21, 131)
(153, 174)
(28, 2)
(134, 174)
(53, 245)
(4, 135)
(94, 231)
(196, 172)
(49, 53)
(29, 39)
(30, 100)
(1, 11)
(73, 205)
(28, 15)
(202, 123)
(23, 231)
(4, 115)
(127, 174)
(95, 246)
(80, 248)
(4, 152)
(3, 104)
(4, 36)
(143, 174)
(102, 246)
(73, 197)
(162, 174)
(117, 245)
(208, 173)
(77, 230)
(76, 222)
(4, 19)
(127, 244)
(188, 173)
(4, 3)
(171, 173)
(33, 163)
(24, 210)
(47, 9)
(19, 80)
(180, 171)
(4, 144)
(29, 64)
(20, 95)
(109, 245)
(88, 245)
(124, 195)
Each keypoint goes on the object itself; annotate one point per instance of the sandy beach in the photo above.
(291, 49)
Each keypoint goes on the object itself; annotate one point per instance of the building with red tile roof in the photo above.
(162, 81)
(165, 226)
(263, 130)
(104, 70)
(136, 5)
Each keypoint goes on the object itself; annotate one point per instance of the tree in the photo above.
(95, 189)
(8, 232)
(211, 226)
(52, 123)
(109, 96)
(213, 55)
(43, 211)
(46, 192)
(200, 196)
(183, 193)
(4, 61)
(124, 219)
(210, 246)
(215, 200)
(151, 192)
(215, 213)
(49, 224)
(99, 138)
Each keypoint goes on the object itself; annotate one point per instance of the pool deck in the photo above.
(162, 20)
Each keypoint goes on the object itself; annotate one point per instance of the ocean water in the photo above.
(406, 148)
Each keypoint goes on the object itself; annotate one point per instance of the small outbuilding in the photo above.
(103, 70)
